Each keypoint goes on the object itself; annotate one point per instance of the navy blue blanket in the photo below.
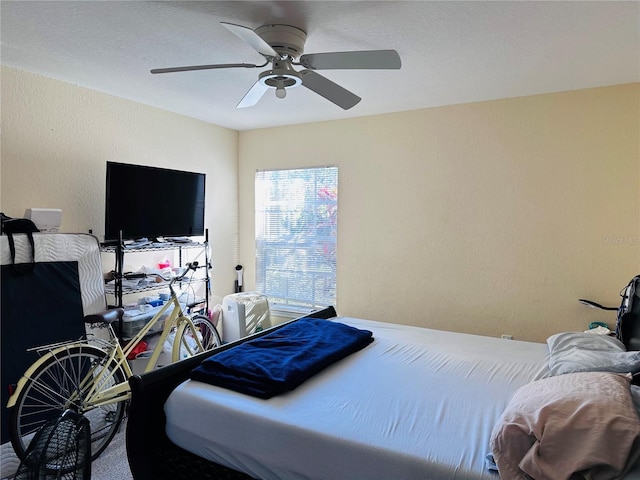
(283, 359)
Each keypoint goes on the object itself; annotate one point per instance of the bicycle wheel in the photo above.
(185, 345)
(62, 382)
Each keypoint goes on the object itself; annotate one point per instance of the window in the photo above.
(296, 233)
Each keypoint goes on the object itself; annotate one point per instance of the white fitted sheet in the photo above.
(415, 404)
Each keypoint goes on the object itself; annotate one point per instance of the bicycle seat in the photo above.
(108, 316)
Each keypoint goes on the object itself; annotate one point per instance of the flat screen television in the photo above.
(151, 202)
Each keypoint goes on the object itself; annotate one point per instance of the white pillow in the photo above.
(571, 352)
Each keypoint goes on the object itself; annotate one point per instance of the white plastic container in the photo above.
(132, 324)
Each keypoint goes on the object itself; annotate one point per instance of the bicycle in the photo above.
(90, 375)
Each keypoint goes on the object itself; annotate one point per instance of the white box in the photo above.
(243, 314)
(46, 219)
(139, 365)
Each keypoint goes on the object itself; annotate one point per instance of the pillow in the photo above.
(571, 352)
(579, 422)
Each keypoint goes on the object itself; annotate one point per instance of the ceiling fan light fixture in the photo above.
(281, 92)
(281, 77)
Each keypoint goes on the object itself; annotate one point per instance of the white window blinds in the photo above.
(296, 233)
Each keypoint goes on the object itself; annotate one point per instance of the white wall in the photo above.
(487, 218)
(57, 138)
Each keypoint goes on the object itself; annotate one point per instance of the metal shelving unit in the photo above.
(118, 290)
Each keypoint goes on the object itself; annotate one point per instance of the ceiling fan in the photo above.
(281, 46)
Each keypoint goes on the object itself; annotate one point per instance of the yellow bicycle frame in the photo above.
(116, 357)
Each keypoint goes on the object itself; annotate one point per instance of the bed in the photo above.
(414, 404)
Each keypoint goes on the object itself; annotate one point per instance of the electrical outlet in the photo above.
(506, 337)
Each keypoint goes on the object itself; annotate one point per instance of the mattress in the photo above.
(416, 403)
(64, 247)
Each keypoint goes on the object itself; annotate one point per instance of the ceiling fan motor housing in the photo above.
(284, 39)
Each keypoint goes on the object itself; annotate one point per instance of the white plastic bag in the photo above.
(185, 352)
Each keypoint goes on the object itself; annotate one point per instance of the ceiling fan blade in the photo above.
(368, 59)
(252, 38)
(205, 67)
(254, 94)
(328, 89)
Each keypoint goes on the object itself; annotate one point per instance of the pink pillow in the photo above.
(571, 423)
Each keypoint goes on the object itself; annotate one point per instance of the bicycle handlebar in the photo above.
(190, 266)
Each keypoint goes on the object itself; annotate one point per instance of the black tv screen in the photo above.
(151, 202)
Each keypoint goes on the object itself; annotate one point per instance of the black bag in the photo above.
(10, 226)
(628, 321)
(3, 218)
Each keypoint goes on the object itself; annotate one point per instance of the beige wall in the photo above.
(487, 218)
(57, 138)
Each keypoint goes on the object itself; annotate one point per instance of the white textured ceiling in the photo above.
(452, 52)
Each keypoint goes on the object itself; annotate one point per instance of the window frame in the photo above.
(292, 230)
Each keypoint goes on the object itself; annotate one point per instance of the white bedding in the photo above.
(415, 404)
